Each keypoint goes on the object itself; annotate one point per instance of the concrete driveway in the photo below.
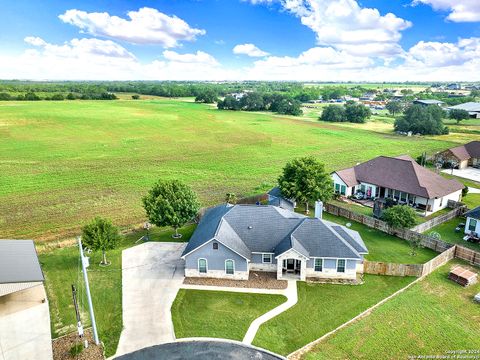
(469, 173)
(151, 276)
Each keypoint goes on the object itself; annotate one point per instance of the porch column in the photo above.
(303, 270)
(279, 268)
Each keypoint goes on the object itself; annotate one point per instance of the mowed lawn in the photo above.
(220, 314)
(448, 234)
(62, 269)
(62, 163)
(432, 317)
(321, 308)
(384, 247)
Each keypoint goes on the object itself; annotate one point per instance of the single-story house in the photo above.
(276, 198)
(428, 102)
(24, 314)
(399, 178)
(473, 109)
(472, 225)
(230, 241)
(463, 155)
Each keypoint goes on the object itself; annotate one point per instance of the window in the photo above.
(215, 246)
(202, 266)
(337, 188)
(229, 267)
(343, 190)
(267, 258)
(472, 224)
(318, 264)
(340, 265)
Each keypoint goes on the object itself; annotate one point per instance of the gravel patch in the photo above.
(62, 346)
(256, 280)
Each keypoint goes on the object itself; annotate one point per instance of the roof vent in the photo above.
(250, 227)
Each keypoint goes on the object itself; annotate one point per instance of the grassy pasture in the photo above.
(61, 163)
(431, 318)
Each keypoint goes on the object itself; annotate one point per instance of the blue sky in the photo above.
(331, 40)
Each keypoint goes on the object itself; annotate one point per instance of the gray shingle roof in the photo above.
(474, 213)
(251, 228)
(19, 262)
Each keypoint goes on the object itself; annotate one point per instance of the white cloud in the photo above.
(460, 10)
(345, 25)
(145, 26)
(199, 57)
(249, 50)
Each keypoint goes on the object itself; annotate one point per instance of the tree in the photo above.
(100, 234)
(231, 198)
(207, 96)
(135, 97)
(425, 120)
(252, 102)
(400, 216)
(458, 115)
(228, 103)
(70, 96)
(305, 180)
(394, 107)
(333, 113)
(171, 203)
(356, 113)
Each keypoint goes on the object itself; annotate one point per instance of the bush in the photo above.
(465, 191)
(76, 349)
(425, 120)
(333, 113)
(356, 113)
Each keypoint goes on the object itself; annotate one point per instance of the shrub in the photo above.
(400, 216)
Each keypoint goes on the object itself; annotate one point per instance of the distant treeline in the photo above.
(256, 101)
(32, 96)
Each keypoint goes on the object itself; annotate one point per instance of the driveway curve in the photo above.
(210, 349)
(152, 273)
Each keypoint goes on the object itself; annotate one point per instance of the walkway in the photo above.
(291, 293)
(152, 273)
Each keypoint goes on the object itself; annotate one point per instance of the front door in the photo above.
(290, 264)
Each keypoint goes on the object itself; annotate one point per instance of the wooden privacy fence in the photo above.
(418, 270)
(427, 225)
(425, 240)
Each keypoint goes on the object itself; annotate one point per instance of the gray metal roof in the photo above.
(472, 107)
(429, 101)
(19, 262)
(253, 228)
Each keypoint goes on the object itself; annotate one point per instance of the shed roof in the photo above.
(19, 262)
(472, 107)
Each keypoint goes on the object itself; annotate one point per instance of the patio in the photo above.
(469, 173)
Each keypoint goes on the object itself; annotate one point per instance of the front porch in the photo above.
(291, 266)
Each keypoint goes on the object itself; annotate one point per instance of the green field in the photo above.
(431, 318)
(219, 314)
(62, 163)
(321, 308)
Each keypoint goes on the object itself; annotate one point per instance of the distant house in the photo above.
(24, 314)
(473, 109)
(399, 178)
(461, 156)
(472, 224)
(230, 241)
(453, 86)
(428, 102)
(276, 198)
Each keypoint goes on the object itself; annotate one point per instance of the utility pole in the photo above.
(77, 314)
(87, 289)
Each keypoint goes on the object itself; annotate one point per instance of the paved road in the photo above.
(202, 350)
(152, 273)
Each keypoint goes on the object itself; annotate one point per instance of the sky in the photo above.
(300, 40)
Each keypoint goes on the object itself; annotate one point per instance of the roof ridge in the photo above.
(341, 238)
(223, 219)
(416, 166)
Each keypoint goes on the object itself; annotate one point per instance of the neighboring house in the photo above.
(473, 109)
(461, 156)
(399, 178)
(24, 315)
(428, 102)
(472, 224)
(276, 198)
(231, 241)
(453, 86)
